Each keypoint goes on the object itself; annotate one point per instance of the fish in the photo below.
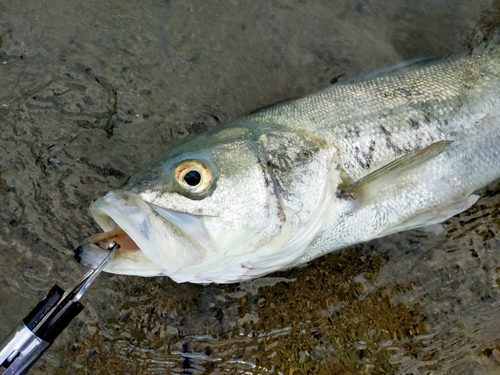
(397, 150)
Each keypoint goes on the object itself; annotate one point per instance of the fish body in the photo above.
(285, 185)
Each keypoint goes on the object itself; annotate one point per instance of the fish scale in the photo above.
(369, 118)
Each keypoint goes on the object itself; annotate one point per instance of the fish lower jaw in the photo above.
(129, 262)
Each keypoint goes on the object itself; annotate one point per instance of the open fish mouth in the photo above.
(153, 241)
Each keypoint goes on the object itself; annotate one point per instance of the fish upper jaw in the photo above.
(164, 237)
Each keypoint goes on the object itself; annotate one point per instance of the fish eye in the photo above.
(193, 176)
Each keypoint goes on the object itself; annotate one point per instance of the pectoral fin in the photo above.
(362, 189)
(397, 176)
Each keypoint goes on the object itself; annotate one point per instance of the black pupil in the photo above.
(192, 178)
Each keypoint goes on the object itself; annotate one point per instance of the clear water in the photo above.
(89, 91)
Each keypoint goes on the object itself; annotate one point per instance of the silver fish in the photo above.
(280, 187)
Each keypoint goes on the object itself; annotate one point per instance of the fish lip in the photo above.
(189, 225)
(159, 238)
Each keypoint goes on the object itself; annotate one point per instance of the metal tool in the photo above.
(38, 330)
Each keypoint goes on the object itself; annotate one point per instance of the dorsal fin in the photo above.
(399, 68)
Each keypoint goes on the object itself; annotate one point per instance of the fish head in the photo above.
(199, 203)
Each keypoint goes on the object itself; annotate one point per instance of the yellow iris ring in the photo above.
(193, 165)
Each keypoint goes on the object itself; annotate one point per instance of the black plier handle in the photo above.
(38, 330)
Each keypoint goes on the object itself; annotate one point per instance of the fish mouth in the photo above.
(154, 241)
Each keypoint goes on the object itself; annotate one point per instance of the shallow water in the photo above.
(89, 91)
